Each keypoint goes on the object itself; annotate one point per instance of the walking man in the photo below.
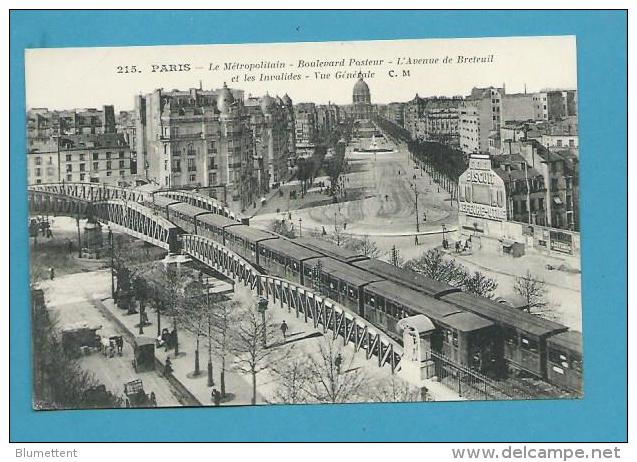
(52, 273)
(284, 330)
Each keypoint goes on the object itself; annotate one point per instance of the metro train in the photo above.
(476, 332)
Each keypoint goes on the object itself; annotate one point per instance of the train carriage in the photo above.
(464, 337)
(405, 277)
(284, 258)
(213, 226)
(243, 241)
(161, 204)
(185, 216)
(339, 281)
(564, 363)
(330, 250)
(522, 336)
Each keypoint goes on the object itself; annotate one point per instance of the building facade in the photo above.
(197, 138)
(95, 158)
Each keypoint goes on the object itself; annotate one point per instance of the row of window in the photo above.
(563, 360)
(96, 166)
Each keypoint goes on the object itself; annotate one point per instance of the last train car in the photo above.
(564, 367)
(464, 337)
(522, 335)
(283, 258)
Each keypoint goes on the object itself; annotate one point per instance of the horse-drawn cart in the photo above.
(135, 396)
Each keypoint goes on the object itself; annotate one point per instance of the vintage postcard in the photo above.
(335, 222)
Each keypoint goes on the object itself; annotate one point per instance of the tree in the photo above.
(433, 265)
(533, 291)
(58, 380)
(251, 355)
(394, 390)
(195, 315)
(283, 227)
(224, 317)
(364, 246)
(292, 379)
(170, 283)
(331, 377)
(479, 284)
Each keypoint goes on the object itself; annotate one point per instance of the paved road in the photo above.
(70, 299)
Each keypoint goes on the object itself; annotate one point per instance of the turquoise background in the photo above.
(602, 61)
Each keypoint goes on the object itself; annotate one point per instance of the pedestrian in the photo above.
(217, 397)
(284, 329)
(70, 247)
(344, 225)
(168, 368)
(153, 399)
(289, 215)
(457, 246)
(324, 232)
(52, 273)
(416, 239)
(338, 361)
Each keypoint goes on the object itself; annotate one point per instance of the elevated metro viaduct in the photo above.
(124, 209)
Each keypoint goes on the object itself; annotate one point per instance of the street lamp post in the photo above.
(262, 307)
(300, 220)
(444, 230)
(211, 380)
(110, 241)
(416, 194)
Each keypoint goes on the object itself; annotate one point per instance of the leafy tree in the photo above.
(479, 284)
(283, 227)
(433, 265)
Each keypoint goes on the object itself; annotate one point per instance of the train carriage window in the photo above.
(344, 289)
(352, 293)
(391, 309)
(577, 364)
(447, 336)
(455, 338)
(372, 302)
(295, 265)
(381, 304)
(558, 357)
(529, 344)
(511, 336)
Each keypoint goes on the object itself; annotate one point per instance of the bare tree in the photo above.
(479, 284)
(433, 265)
(252, 354)
(224, 317)
(533, 291)
(395, 258)
(333, 378)
(364, 246)
(292, 379)
(394, 390)
(195, 315)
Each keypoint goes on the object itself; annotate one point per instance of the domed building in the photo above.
(362, 107)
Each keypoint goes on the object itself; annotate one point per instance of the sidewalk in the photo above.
(302, 337)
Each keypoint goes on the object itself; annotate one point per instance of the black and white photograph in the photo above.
(302, 223)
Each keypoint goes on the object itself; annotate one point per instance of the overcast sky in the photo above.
(66, 78)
